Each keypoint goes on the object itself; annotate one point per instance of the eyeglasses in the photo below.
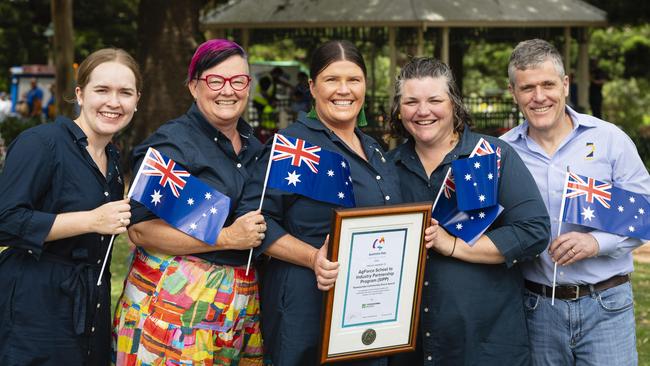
(217, 82)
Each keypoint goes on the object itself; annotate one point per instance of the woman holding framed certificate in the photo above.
(472, 308)
(298, 225)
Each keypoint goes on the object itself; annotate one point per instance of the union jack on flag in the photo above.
(483, 147)
(449, 186)
(577, 186)
(297, 152)
(155, 164)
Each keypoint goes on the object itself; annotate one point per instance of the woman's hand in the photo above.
(111, 218)
(245, 233)
(436, 237)
(325, 270)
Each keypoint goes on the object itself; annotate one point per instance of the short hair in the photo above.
(210, 53)
(420, 68)
(107, 55)
(332, 51)
(530, 54)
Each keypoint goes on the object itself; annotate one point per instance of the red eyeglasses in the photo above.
(217, 82)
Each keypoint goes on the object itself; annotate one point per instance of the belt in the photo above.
(574, 292)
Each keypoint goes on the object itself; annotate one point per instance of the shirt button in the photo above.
(216, 139)
(429, 358)
(92, 330)
(106, 194)
(101, 238)
(426, 310)
(426, 283)
(387, 198)
(30, 251)
(99, 305)
(514, 261)
(427, 334)
(378, 177)
(238, 165)
(99, 261)
(427, 256)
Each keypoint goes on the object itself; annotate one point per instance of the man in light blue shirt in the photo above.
(592, 321)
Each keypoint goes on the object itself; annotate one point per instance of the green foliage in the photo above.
(278, 51)
(486, 66)
(11, 127)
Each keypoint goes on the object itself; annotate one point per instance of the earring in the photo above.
(136, 109)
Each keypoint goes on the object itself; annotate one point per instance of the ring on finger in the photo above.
(573, 251)
(262, 236)
(122, 222)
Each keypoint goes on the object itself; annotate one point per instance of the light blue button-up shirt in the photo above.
(597, 149)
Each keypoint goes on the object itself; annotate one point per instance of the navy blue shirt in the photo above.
(473, 314)
(191, 141)
(291, 301)
(49, 287)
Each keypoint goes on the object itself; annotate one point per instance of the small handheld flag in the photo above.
(179, 198)
(601, 205)
(476, 182)
(300, 167)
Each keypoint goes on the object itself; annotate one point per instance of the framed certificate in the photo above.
(373, 309)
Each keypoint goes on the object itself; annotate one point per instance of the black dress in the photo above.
(51, 310)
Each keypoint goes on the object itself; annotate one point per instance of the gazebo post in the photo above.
(245, 38)
(583, 69)
(444, 51)
(392, 52)
(567, 49)
(420, 49)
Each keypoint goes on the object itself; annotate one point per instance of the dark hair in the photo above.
(420, 68)
(211, 53)
(333, 51)
(107, 55)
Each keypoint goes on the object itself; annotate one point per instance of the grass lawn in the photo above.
(640, 281)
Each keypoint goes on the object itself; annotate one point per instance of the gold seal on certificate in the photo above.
(373, 308)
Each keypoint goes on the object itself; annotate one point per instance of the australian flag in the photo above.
(183, 201)
(467, 225)
(476, 181)
(600, 205)
(300, 167)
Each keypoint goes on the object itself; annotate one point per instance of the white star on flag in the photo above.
(621, 209)
(330, 173)
(641, 211)
(193, 226)
(468, 177)
(632, 200)
(343, 164)
(588, 213)
(213, 210)
(208, 195)
(631, 228)
(293, 178)
(190, 201)
(459, 226)
(490, 176)
(481, 215)
(481, 198)
(341, 195)
(477, 165)
(155, 197)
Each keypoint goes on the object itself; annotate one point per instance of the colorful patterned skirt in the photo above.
(183, 310)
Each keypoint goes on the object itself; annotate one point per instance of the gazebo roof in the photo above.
(406, 13)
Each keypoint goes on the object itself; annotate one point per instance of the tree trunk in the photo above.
(63, 55)
(168, 33)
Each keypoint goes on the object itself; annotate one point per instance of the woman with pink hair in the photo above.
(186, 302)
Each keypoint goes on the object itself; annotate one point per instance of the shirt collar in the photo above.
(463, 147)
(78, 135)
(244, 129)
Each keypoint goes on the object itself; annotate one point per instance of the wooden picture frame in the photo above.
(373, 309)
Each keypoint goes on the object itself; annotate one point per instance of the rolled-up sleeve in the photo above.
(26, 177)
(523, 228)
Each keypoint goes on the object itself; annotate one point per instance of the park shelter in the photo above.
(566, 18)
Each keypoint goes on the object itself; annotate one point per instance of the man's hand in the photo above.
(571, 247)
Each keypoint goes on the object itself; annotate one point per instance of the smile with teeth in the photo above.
(226, 102)
(425, 122)
(541, 109)
(111, 115)
(342, 102)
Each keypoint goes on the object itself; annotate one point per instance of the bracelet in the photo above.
(454, 248)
